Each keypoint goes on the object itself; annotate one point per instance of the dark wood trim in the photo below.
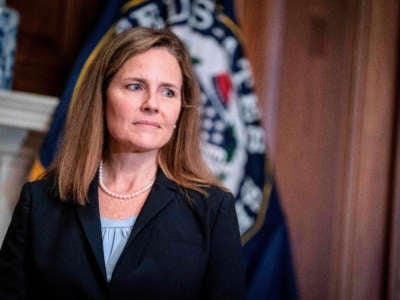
(50, 35)
(393, 282)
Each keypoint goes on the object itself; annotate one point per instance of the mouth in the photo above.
(147, 123)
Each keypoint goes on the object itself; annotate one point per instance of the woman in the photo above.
(128, 209)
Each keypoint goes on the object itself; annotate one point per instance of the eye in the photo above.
(134, 86)
(168, 93)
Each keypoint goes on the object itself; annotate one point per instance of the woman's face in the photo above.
(144, 102)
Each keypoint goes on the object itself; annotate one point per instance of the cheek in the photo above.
(174, 114)
(115, 119)
(118, 110)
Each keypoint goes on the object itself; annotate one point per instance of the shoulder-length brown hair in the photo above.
(85, 139)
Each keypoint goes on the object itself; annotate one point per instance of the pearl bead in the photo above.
(119, 195)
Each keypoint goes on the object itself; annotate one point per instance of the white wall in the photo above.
(18, 148)
(24, 120)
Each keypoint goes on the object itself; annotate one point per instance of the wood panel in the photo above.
(262, 25)
(364, 209)
(334, 141)
(50, 35)
(311, 123)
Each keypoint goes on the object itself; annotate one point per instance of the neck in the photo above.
(118, 195)
(131, 165)
(127, 173)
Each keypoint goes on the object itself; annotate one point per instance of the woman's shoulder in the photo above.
(213, 197)
(41, 188)
(216, 191)
(40, 184)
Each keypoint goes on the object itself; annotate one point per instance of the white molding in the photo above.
(26, 110)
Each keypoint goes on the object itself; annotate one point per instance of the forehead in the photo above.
(154, 64)
(154, 56)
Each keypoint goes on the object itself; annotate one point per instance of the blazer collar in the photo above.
(89, 217)
(162, 193)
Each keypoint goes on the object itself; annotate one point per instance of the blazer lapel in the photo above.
(162, 193)
(89, 217)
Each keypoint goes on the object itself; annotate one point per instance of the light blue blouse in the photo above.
(115, 234)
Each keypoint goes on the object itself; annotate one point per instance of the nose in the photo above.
(150, 104)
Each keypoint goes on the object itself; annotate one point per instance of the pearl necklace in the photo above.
(118, 195)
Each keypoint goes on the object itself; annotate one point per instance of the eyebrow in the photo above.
(170, 85)
(144, 81)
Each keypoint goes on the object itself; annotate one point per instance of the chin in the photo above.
(139, 148)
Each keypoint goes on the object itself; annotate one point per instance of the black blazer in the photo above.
(176, 250)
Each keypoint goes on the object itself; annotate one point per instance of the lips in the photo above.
(147, 123)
